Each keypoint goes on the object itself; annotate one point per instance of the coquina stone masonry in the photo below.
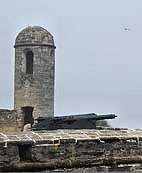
(113, 149)
(34, 71)
(11, 120)
(34, 79)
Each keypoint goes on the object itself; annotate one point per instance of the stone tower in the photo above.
(34, 73)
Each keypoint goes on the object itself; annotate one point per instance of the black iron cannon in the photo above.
(82, 121)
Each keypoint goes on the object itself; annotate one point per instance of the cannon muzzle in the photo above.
(104, 117)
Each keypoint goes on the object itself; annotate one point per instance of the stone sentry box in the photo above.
(34, 73)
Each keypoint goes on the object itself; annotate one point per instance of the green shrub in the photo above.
(103, 123)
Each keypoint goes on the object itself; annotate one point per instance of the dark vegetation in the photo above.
(103, 123)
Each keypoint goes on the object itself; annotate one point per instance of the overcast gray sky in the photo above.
(98, 60)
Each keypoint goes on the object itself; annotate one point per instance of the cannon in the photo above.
(81, 121)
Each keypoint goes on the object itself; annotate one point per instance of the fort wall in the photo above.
(70, 149)
(11, 120)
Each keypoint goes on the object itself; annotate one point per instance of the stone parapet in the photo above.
(69, 149)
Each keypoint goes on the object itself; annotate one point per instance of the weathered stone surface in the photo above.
(37, 89)
(10, 120)
(8, 156)
(70, 148)
(34, 35)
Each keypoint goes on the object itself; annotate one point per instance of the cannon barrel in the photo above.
(104, 117)
(81, 121)
(87, 116)
(90, 116)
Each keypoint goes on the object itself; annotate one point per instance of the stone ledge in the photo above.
(71, 136)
